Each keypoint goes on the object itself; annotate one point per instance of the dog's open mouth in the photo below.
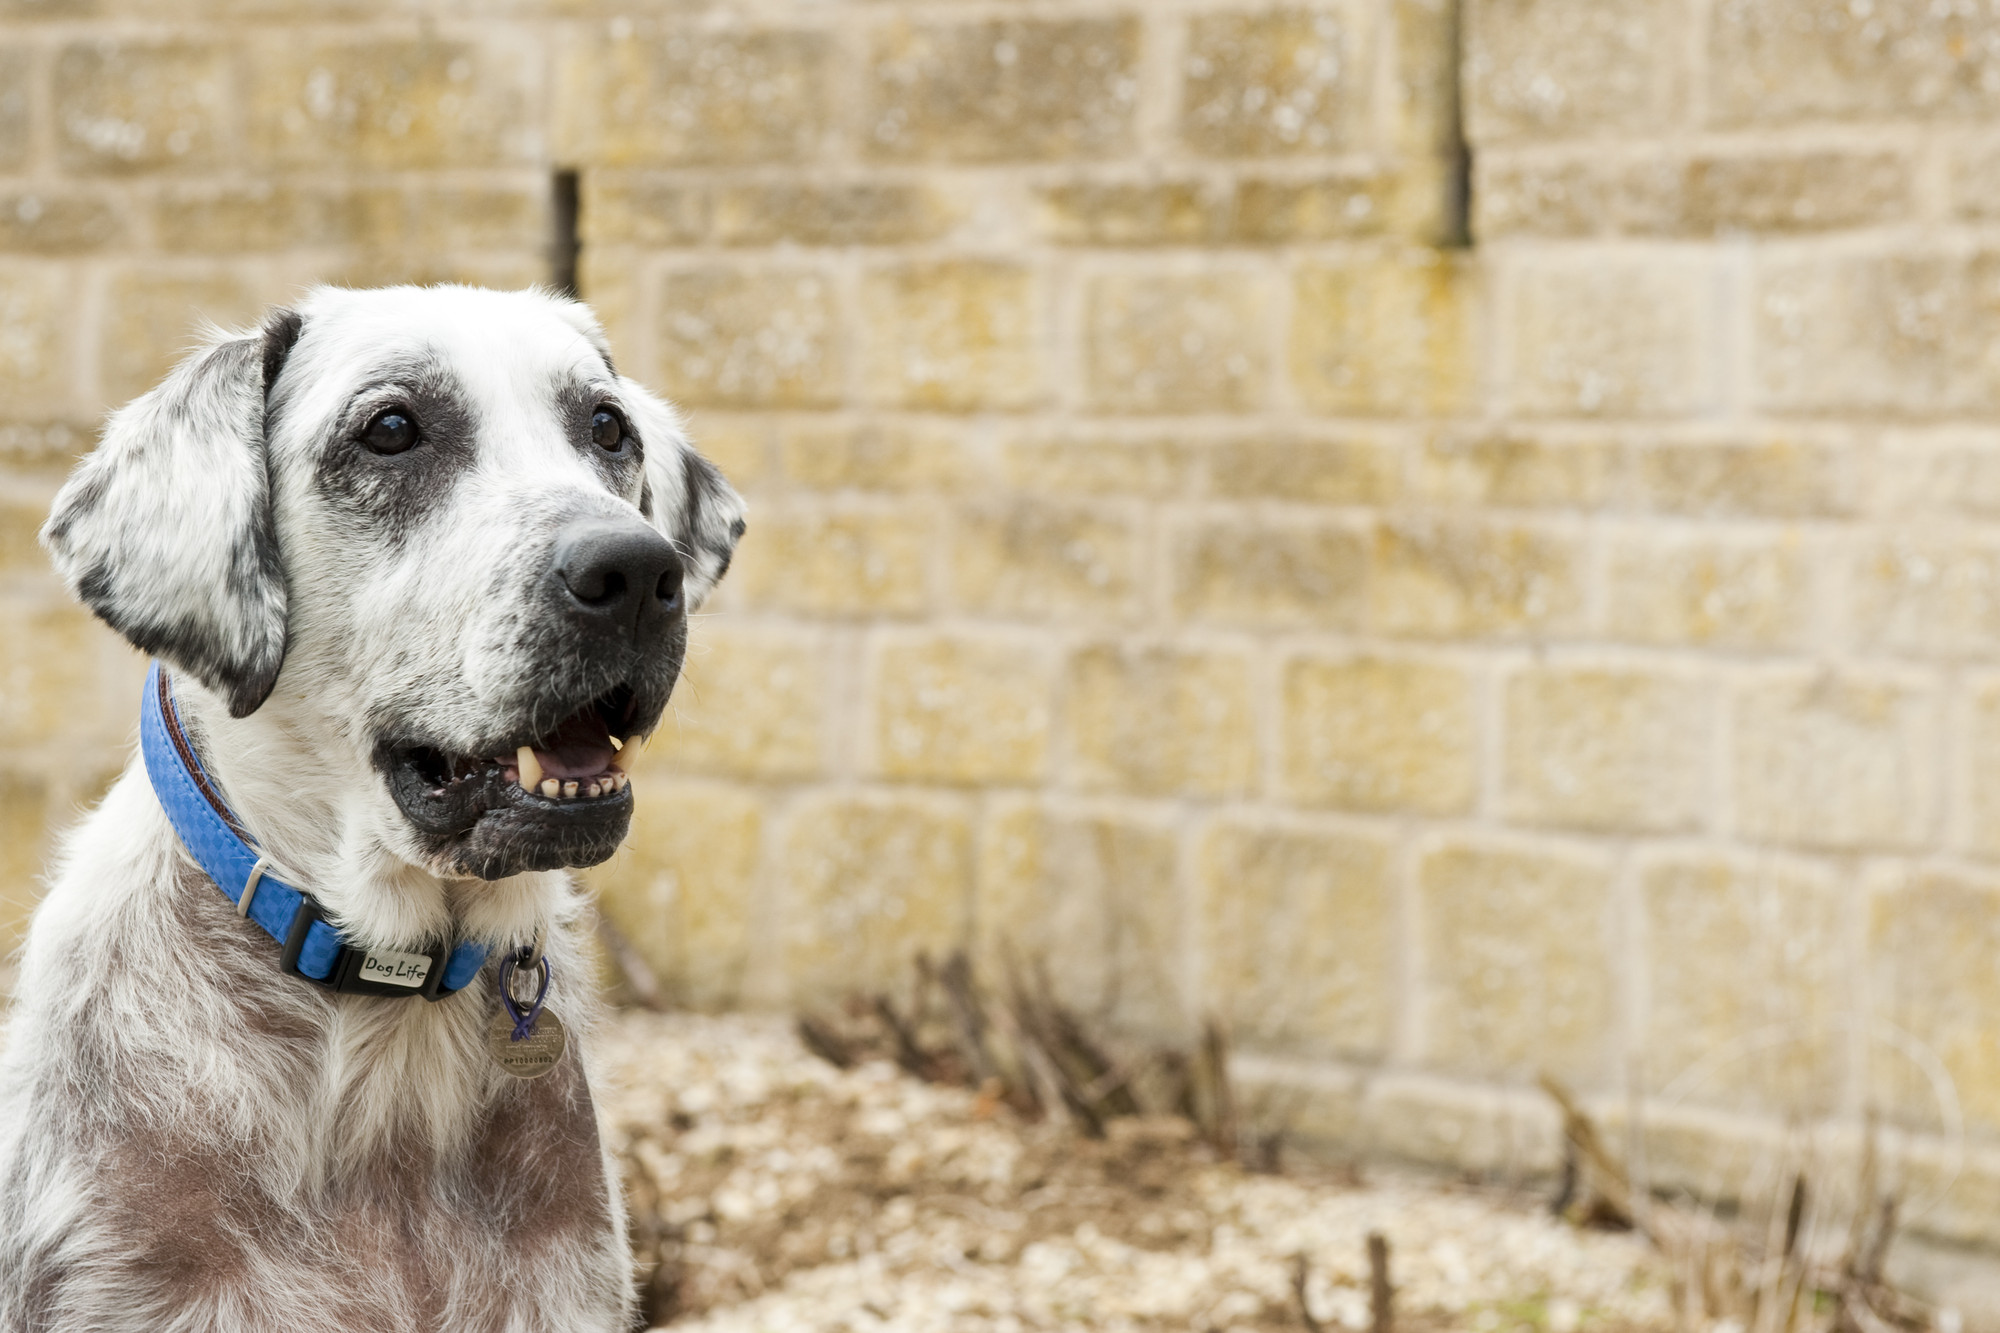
(555, 798)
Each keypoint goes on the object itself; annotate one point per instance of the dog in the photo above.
(412, 564)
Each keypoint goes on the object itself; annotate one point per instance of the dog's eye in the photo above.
(607, 430)
(390, 432)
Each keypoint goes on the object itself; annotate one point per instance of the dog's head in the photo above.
(437, 516)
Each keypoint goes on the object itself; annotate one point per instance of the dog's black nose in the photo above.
(613, 574)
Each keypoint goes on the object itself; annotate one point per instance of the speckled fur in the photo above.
(188, 1139)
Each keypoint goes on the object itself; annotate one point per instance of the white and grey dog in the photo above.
(417, 561)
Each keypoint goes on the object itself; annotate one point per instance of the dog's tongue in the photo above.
(580, 748)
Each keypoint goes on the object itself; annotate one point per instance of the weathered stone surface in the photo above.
(16, 119)
(1781, 476)
(1751, 986)
(53, 688)
(1081, 894)
(1252, 211)
(1980, 721)
(1608, 338)
(957, 336)
(1280, 81)
(396, 103)
(57, 221)
(133, 106)
(1378, 733)
(1388, 336)
(835, 561)
(155, 317)
(684, 890)
(1603, 748)
(619, 208)
(1031, 558)
(1239, 571)
(961, 708)
(1012, 90)
(1162, 343)
(1930, 939)
(1160, 721)
(732, 337)
(858, 214)
(869, 881)
(1324, 471)
(207, 218)
(35, 370)
(1298, 937)
(1548, 68)
(1504, 998)
(1749, 591)
(1155, 468)
(1774, 61)
(689, 95)
(751, 703)
(894, 457)
(739, 445)
(1835, 761)
(1887, 333)
(1514, 470)
(1926, 596)
(1447, 578)
(24, 815)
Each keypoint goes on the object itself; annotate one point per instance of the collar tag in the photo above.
(390, 968)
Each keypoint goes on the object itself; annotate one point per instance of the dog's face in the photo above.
(442, 513)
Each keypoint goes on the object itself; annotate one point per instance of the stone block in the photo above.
(1514, 470)
(1012, 90)
(1075, 465)
(739, 445)
(687, 96)
(1449, 577)
(1779, 477)
(1517, 961)
(58, 221)
(751, 703)
(1707, 195)
(399, 103)
(16, 117)
(1161, 721)
(1728, 591)
(1123, 214)
(1274, 82)
(155, 317)
(22, 512)
(227, 219)
(634, 208)
(870, 882)
(1272, 211)
(895, 457)
(1272, 572)
(445, 219)
(1924, 595)
(1981, 750)
(684, 887)
(52, 692)
(1347, 471)
(1374, 733)
(24, 846)
(36, 305)
(1035, 558)
(1930, 939)
(1610, 338)
(498, 270)
(1299, 931)
(1779, 61)
(1091, 899)
(730, 337)
(1842, 762)
(961, 708)
(847, 561)
(1254, 211)
(1606, 749)
(137, 106)
(863, 213)
(1538, 69)
(47, 446)
(1750, 973)
(1973, 170)
(1940, 473)
(1387, 336)
(958, 335)
(1163, 342)
(1895, 333)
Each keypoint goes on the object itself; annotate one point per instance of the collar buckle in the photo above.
(357, 971)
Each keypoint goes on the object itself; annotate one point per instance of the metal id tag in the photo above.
(526, 1040)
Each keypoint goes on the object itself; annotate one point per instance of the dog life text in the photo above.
(396, 969)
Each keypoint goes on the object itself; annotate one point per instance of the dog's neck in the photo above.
(319, 813)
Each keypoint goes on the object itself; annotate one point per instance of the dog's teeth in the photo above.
(569, 791)
(531, 767)
(551, 788)
(619, 781)
(590, 790)
(617, 744)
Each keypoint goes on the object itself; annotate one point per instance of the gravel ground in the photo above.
(771, 1191)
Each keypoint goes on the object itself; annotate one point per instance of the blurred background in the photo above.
(1455, 538)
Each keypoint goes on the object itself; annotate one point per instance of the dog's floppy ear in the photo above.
(166, 531)
(686, 496)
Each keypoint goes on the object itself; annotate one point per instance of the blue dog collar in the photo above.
(311, 946)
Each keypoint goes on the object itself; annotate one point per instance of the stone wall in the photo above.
(1185, 545)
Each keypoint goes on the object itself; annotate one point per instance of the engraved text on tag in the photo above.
(532, 1056)
(395, 969)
